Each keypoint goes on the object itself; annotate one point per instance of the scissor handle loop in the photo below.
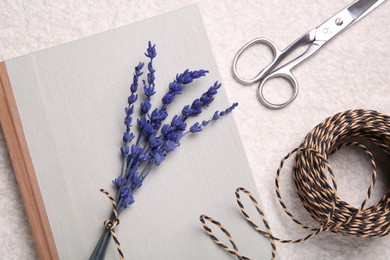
(286, 74)
(275, 51)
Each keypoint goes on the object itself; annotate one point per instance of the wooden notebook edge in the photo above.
(24, 170)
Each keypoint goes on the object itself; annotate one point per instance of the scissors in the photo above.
(315, 39)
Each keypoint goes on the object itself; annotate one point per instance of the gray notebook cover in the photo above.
(71, 100)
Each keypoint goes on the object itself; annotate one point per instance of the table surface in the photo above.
(351, 72)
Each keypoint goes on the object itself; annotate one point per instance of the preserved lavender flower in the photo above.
(155, 140)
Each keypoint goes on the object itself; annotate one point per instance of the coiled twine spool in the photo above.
(317, 193)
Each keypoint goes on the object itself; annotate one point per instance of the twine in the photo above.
(318, 195)
(110, 224)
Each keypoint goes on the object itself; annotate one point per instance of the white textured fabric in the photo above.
(351, 72)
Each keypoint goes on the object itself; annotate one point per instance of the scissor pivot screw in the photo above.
(339, 21)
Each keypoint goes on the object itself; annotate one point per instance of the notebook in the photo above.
(62, 113)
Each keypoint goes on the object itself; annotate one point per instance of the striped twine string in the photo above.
(110, 224)
(318, 195)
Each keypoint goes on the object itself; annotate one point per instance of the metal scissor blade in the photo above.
(362, 7)
(346, 17)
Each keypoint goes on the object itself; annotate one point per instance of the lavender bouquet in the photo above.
(155, 140)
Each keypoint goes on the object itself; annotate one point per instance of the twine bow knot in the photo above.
(110, 224)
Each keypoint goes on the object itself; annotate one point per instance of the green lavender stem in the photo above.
(100, 249)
